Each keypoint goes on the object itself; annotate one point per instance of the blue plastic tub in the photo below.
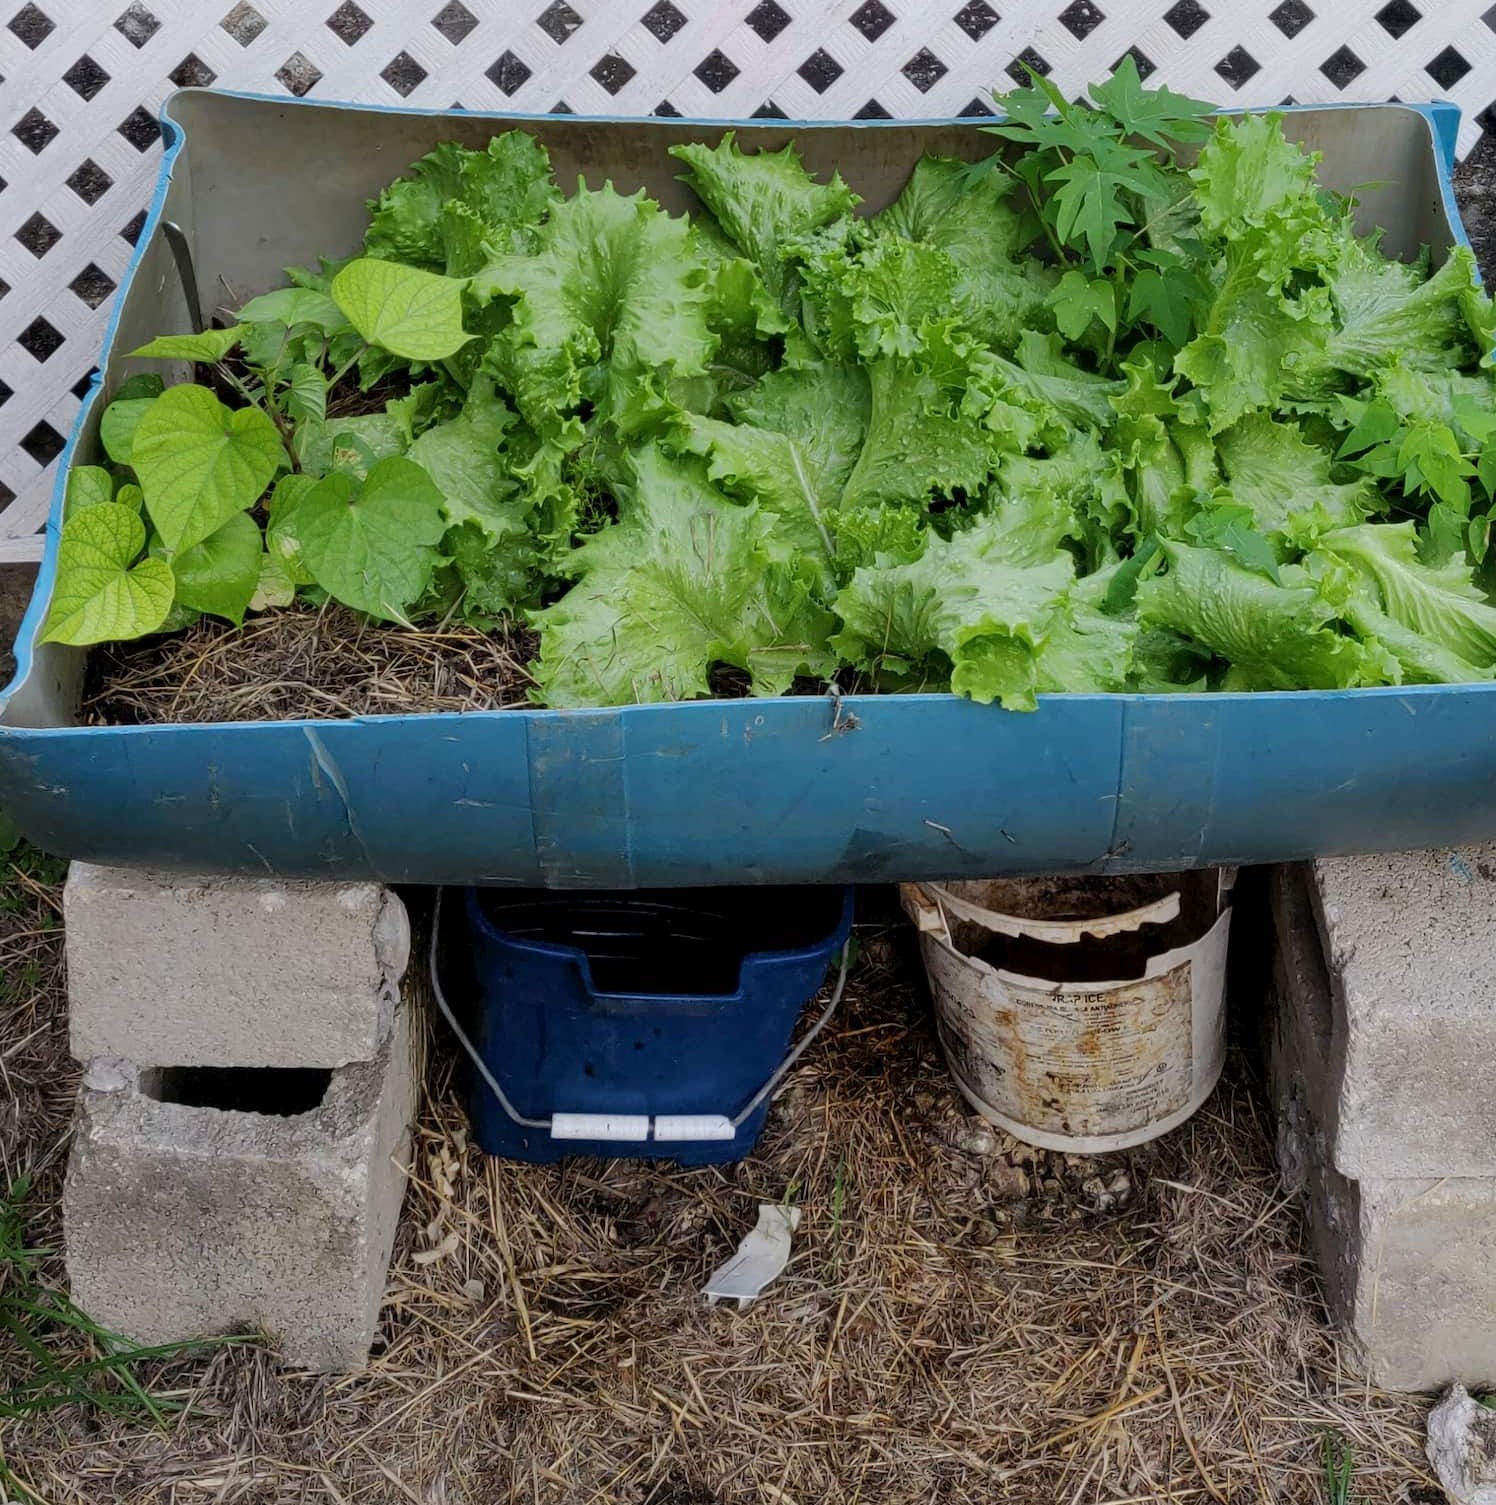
(777, 791)
(648, 1019)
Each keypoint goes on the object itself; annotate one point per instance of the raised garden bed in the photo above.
(784, 788)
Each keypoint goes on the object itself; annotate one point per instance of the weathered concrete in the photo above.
(186, 1220)
(1409, 1269)
(1407, 1262)
(191, 971)
(1395, 1015)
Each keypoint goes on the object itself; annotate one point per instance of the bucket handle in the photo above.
(629, 1127)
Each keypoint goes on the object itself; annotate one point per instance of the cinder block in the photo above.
(1395, 1010)
(1409, 1269)
(184, 1219)
(230, 971)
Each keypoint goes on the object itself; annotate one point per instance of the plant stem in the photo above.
(278, 418)
(343, 370)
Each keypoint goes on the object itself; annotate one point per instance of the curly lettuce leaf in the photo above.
(455, 201)
(763, 201)
(1442, 605)
(1257, 336)
(1041, 374)
(1286, 481)
(1387, 310)
(1247, 175)
(962, 610)
(879, 298)
(999, 291)
(684, 580)
(919, 440)
(1276, 637)
(612, 303)
(797, 439)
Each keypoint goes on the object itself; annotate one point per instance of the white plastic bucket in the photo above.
(1080, 1014)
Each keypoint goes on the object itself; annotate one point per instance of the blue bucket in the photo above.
(648, 1023)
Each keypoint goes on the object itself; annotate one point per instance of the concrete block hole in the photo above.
(270, 1091)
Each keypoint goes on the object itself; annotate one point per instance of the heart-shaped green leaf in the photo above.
(371, 545)
(117, 426)
(88, 486)
(131, 496)
(98, 597)
(414, 314)
(142, 384)
(275, 586)
(210, 345)
(281, 537)
(307, 396)
(294, 305)
(199, 463)
(220, 574)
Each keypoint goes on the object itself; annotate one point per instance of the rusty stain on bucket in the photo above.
(1086, 1014)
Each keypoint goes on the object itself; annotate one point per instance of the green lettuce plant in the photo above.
(1124, 405)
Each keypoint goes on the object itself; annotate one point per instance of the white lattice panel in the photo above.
(83, 80)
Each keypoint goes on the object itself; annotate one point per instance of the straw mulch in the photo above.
(328, 664)
(963, 1320)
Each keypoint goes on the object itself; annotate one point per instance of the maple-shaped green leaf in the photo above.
(1077, 299)
(464, 457)
(613, 301)
(117, 426)
(1157, 115)
(295, 305)
(88, 486)
(371, 544)
(1090, 204)
(410, 313)
(101, 595)
(199, 463)
(210, 345)
(1168, 293)
(219, 575)
(763, 201)
(685, 581)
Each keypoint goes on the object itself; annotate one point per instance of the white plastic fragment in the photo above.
(760, 1258)
(1461, 1447)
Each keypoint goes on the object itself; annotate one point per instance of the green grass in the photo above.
(52, 1354)
(65, 1357)
(1339, 1461)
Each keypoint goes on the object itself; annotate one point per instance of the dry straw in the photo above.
(963, 1320)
